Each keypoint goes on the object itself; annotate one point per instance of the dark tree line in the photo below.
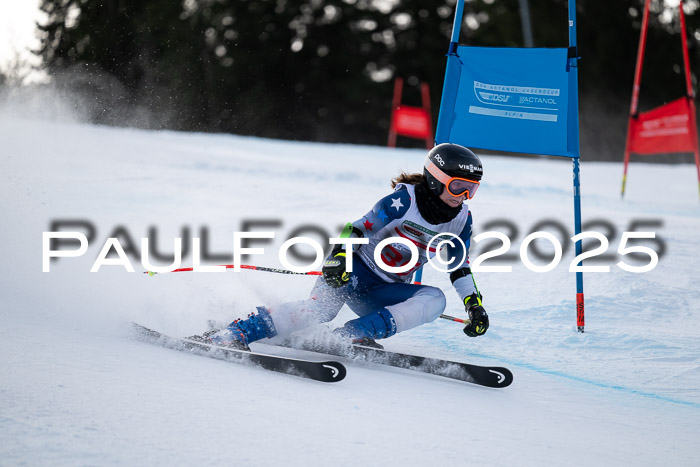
(323, 69)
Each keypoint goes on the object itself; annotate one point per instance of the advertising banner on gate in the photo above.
(508, 99)
(522, 100)
(412, 121)
(665, 129)
(670, 128)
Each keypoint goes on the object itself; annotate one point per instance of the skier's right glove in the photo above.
(334, 270)
(478, 319)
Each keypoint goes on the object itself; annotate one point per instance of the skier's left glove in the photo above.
(478, 319)
(334, 271)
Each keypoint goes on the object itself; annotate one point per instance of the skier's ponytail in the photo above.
(409, 179)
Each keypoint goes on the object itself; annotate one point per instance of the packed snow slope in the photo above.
(77, 389)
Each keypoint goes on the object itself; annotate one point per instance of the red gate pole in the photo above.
(689, 90)
(425, 98)
(635, 89)
(398, 89)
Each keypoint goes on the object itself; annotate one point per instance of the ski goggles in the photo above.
(456, 186)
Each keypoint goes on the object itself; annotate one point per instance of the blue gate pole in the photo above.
(580, 321)
(457, 25)
(451, 82)
(573, 147)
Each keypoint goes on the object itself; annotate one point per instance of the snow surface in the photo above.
(77, 389)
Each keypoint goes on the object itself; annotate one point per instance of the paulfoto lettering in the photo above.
(112, 244)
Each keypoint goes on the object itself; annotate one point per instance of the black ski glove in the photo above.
(478, 319)
(334, 270)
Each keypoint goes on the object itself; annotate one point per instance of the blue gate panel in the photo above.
(509, 99)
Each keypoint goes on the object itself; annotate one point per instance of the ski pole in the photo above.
(452, 318)
(287, 271)
(247, 266)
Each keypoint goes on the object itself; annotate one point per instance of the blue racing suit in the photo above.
(387, 302)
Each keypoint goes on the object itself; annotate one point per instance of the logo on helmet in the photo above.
(439, 159)
(471, 167)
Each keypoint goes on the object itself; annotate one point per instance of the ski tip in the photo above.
(501, 377)
(334, 371)
(142, 331)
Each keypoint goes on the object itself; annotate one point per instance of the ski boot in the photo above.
(364, 330)
(241, 333)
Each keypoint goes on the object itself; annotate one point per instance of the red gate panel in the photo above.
(412, 121)
(665, 129)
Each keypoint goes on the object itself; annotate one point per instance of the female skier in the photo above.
(421, 207)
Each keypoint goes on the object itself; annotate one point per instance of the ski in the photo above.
(489, 376)
(327, 371)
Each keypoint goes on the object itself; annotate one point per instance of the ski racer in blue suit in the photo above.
(423, 207)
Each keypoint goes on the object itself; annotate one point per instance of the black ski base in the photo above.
(327, 372)
(489, 376)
